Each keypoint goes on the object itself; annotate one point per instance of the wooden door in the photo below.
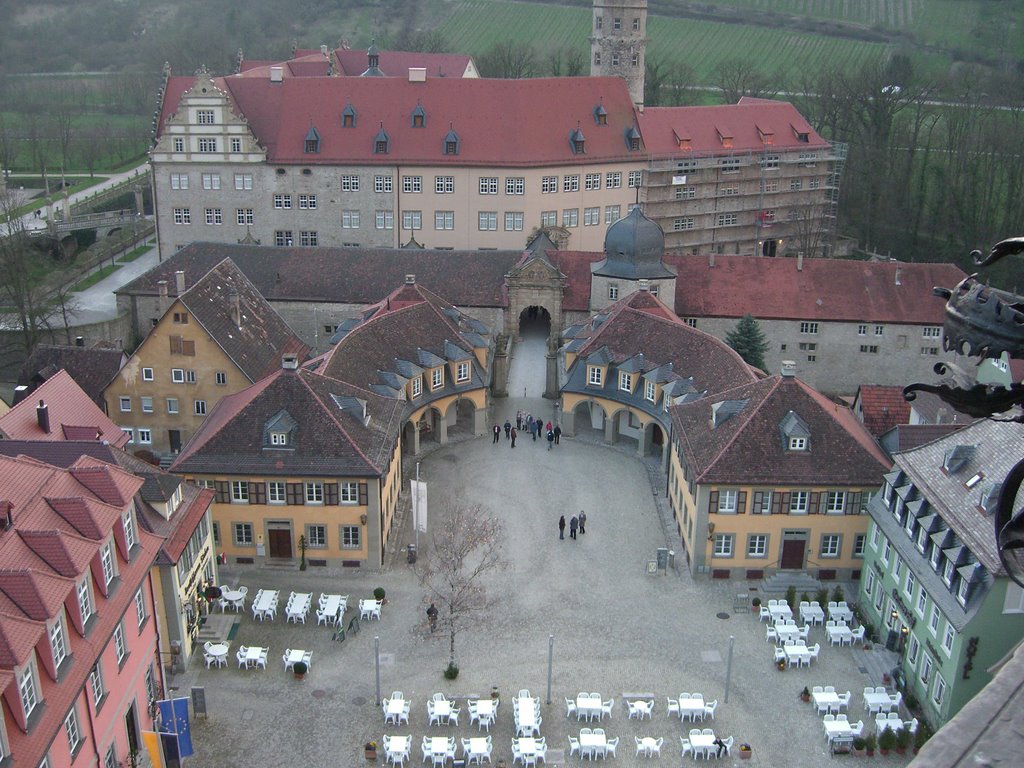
(280, 542)
(174, 438)
(793, 554)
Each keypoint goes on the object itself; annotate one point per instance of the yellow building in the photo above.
(772, 476)
(312, 456)
(215, 339)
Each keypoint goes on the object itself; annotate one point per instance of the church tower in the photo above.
(618, 42)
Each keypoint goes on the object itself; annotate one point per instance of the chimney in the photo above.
(788, 369)
(290, 362)
(643, 285)
(711, 260)
(323, 50)
(276, 74)
(898, 275)
(800, 262)
(417, 74)
(179, 281)
(161, 287)
(410, 279)
(79, 341)
(43, 416)
(236, 309)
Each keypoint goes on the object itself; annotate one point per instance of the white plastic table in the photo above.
(442, 709)
(596, 743)
(786, 632)
(252, 655)
(692, 707)
(648, 745)
(264, 602)
(779, 612)
(840, 613)
(841, 634)
(485, 707)
(479, 748)
(439, 745)
(588, 707)
(812, 614)
(398, 746)
(701, 742)
(234, 596)
(878, 702)
(794, 653)
(837, 729)
(828, 699)
(526, 710)
(218, 651)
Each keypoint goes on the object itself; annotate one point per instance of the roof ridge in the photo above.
(745, 416)
(331, 415)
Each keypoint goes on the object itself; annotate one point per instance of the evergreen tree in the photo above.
(749, 341)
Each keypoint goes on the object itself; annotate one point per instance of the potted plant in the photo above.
(451, 671)
(837, 594)
(494, 692)
(921, 735)
(859, 745)
(791, 597)
(822, 596)
(781, 665)
(886, 741)
(870, 742)
(212, 593)
(745, 752)
(902, 741)
(302, 549)
(300, 669)
(805, 695)
(370, 750)
(755, 604)
(378, 594)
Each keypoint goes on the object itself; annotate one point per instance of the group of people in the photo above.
(534, 426)
(575, 523)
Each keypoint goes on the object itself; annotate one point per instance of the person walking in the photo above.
(573, 523)
(535, 429)
(529, 424)
(548, 426)
(551, 439)
(558, 433)
(508, 429)
(519, 419)
(561, 527)
(432, 616)
(515, 432)
(583, 521)
(497, 434)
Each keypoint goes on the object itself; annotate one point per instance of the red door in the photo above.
(280, 542)
(793, 554)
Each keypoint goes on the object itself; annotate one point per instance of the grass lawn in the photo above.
(94, 278)
(135, 253)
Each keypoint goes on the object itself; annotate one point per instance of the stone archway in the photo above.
(534, 321)
(588, 420)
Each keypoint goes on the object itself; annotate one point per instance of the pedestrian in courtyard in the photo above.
(432, 616)
(519, 419)
(529, 423)
(508, 429)
(583, 521)
(573, 523)
(558, 433)
(515, 433)
(551, 440)
(497, 433)
(548, 426)
(561, 527)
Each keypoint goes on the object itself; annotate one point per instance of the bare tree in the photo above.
(508, 60)
(8, 147)
(743, 77)
(466, 547)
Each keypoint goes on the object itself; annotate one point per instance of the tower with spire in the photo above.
(618, 43)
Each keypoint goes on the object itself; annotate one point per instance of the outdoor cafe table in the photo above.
(439, 745)
(837, 729)
(478, 748)
(395, 708)
(235, 597)
(264, 602)
(399, 746)
(692, 707)
(588, 707)
(702, 742)
(812, 614)
(485, 707)
(840, 634)
(252, 655)
(218, 651)
(593, 742)
(878, 702)
(779, 612)
(840, 613)
(526, 711)
(794, 653)
(527, 745)
(331, 605)
(828, 699)
(442, 709)
(790, 632)
(295, 655)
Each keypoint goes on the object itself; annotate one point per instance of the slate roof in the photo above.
(352, 63)
(745, 123)
(903, 437)
(500, 123)
(91, 368)
(351, 275)
(330, 440)
(241, 321)
(881, 408)
(69, 407)
(997, 445)
(748, 447)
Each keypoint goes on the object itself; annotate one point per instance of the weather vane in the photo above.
(984, 322)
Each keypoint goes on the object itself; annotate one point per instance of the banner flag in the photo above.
(151, 740)
(174, 721)
(419, 505)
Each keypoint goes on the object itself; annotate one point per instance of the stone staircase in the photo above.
(777, 584)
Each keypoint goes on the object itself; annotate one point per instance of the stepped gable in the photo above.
(240, 321)
(328, 438)
(349, 275)
(747, 447)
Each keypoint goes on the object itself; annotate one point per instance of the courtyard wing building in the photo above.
(933, 585)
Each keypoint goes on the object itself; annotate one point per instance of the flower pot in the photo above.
(901, 750)
(859, 752)
(804, 698)
(869, 752)
(745, 754)
(370, 754)
(884, 752)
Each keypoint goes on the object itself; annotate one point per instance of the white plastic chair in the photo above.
(709, 708)
(240, 655)
(671, 706)
(687, 746)
(844, 700)
(284, 658)
(728, 744)
(606, 708)
(611, 745)
(574, 746)
(262, 660)
(771, 635)
(570, 706)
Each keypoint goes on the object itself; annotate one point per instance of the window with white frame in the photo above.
(727, 501)
(488, 185)
(879, 599)
(28, 688)
(437, 378)
(444, 220)
(922, 602)
(412, 184)
(613, 180)
(592, 181)
(276, 492)
(875, 533)
(84, 594)
(125, 404)
(211, 180)
(830, 545)
(548, 184)
(869, 583)
(798, 502)
(242, 533)
(282, 201)
(307, 202)
(591, 216)
(207, 145)
(798, 443)
(417, 386)
(140, 607)
(239, 492)
(172, 405)
(570, 217)
(147, 404)
(58, 641)
(935, 558)
(179, 181)
(147, 374)
(723, 545)
(947, 572)
(886, 552)
(922, 539)
(110, 758)
(384, 219)
(243, 181)
(933, 620)
(120, 648)
(909, 584)
(177, 375)
(897, 568)
(515, 185)
(514, 221)
(625, 381)
(351, 537)
(757, 545)
(612, 213)
(380, 183)
(835, 502)
(107, 563)
(314, 492)
(549, 218)
(462, 372)
(128, 524)
(939, 691)
(412, 220)
(962, 589)
(595, 376)
(808, 327)
(635, 179)
(444, 185)
(571, 183)
(913, 649)
(316, 536)
(858, 544)
(487, 221)
(72, 731)
(349, 493)
(96, 686)
(649, 391)
(200, 407)
(927, 666)
(948, 639)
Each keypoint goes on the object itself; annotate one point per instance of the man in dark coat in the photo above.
(497, 433)
(551, 439)
(558, 433)
(572, 527)
(561, 527)
(583, 521)
(508, 429)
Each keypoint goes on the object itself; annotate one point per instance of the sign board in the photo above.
(199, 701)
(677, 180)
(652, 567)
(419, 505)
(662, 558)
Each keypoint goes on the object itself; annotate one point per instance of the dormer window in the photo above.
(419, 117)
(600, 115)
(279, 438)
(312, 141)
(633, 139)
(650, 391)
(963, 590)
(798, 443)
(625, 382)
(947, 572)
(577, 142)
(595, 376)
(416, 387)
(795, 434)
(437, 378)
(955, 458)
(451, 143)
(279, 431)
(381, 142)
(348, 117)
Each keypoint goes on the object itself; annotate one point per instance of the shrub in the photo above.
(870, 742)
(859, 742)
(378, 593)
(837, 594)
(922, 734)
(791, 597)
(451, 671)
(902, 738)
(756, 602)
(821, 596)
(300, 668)
(887, 740)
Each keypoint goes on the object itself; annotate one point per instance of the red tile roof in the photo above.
(68, 406)
(881, 408)
(352, 63)
(746, 124)
(836, 290)
(500, 123)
